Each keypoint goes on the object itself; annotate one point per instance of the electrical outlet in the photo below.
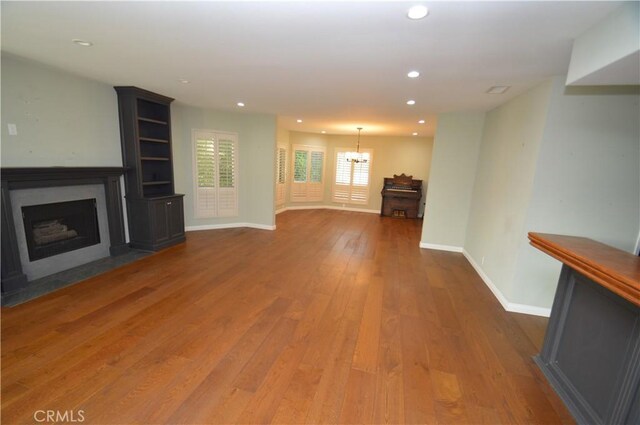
(482, 261)
(13, 129)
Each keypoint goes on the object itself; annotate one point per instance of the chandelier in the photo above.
(357, 156)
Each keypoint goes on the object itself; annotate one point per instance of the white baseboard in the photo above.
(229, 226)
(529, 309)
(449, 248)
(326, 207)
(506, 304)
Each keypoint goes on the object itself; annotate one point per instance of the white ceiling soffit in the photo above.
(609, 52)
(334, 65)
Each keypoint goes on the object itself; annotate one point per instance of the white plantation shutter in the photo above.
(299, 183)
(281, 194)
(351, 183)
(360, 181)
(227, 190)
(315, 187)
(300, 165)
(216, 169)
(281, 176)
(206, 176)
(308, 173)
(342, 184)
(317, 161)
(282, 158)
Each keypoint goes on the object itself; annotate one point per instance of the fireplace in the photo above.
(55, 228)
(63, 193)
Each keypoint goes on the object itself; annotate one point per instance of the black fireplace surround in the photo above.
(13, 278)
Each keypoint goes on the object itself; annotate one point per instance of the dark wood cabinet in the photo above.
(158, 222)
(155, 211)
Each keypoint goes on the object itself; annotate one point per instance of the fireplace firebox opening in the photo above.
(53, 229)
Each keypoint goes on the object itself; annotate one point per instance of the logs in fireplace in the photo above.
(52, 229)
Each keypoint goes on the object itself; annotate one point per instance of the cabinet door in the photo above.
(160, 229)
(175, 217)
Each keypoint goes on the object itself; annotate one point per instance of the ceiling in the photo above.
(334, 65)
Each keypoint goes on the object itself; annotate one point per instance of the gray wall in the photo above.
(553, 160)
(66, 120)
(606, 49)
(453, 170)
(587, 181)
(503, 184)
(256, 159)
(62, 119)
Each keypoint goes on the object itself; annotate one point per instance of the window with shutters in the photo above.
(216, 173)
(308, 173)
(281, 174)
(351, 184)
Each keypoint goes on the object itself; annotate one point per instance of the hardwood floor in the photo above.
(334, 317)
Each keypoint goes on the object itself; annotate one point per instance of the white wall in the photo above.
(453, 170)
(503, 184)
(587, 181)
(62, 119)
(391, 155)
(256, 158)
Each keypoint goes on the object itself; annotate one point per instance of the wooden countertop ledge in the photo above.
(616, 270)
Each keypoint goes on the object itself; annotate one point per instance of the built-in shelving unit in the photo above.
(155, 210)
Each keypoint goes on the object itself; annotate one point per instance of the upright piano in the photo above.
(401, 196)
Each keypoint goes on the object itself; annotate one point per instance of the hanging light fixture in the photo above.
(357, 156)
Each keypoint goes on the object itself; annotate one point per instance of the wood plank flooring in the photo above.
(335, 317)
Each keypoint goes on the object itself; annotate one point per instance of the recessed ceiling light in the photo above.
(498, 89)
(418, 12)
(240, 104)
(83, 43)
(415, 134)
(411, 102)
(413, 74)
(421, 122)
(298, 121)
(323, 132)
(183, 81)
